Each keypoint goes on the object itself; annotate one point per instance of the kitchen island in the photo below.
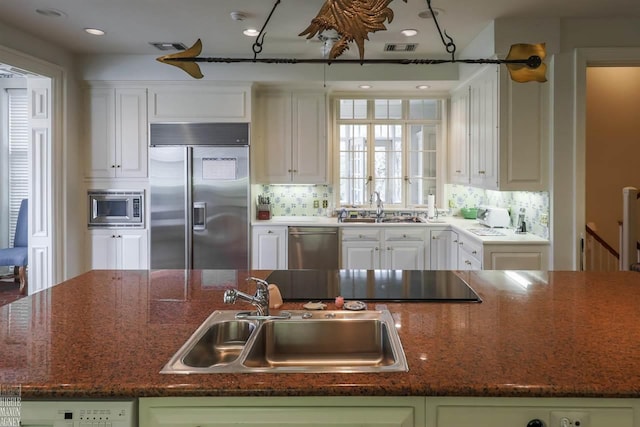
(107, 334)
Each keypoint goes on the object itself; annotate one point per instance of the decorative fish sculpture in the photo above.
(353, 20)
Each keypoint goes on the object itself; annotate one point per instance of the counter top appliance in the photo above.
(494, 217)
(373, 285)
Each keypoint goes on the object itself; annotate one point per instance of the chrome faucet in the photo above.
(378, 204)
(260, 300)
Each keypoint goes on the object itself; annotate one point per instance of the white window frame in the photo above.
(406, 124)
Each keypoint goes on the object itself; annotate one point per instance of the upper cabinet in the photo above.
(200, 103)
(290, 138)
(503, 123)
(116, 133)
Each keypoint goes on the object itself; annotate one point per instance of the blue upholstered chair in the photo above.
(17, 255)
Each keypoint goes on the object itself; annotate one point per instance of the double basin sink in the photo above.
(295, 341)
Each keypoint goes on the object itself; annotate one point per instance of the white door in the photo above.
(404, 256)
(132, 247)
(41, 194)
(361, 255)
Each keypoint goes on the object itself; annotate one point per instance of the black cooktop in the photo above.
(373, 285)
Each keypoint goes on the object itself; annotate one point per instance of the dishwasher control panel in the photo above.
(69, 413)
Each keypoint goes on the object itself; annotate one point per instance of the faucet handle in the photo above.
(230, 296)
(261, 284)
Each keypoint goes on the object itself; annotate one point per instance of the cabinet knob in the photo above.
(377, 248)
(270, 232)
(481, 172)
(458, 171)
(113, 166)
(434, 238)
(455, 241)
(535, 423)
(461, 243)
(467, 262)
(117, 166)
(119, 236)
(113, 236)
(404, 236)
(389, 248)
(290, 170)
(474, 252)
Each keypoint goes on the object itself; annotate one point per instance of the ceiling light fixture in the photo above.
(251, 32)
(365, 86)
(238, 16)
(524, 61)
(423, 87)
(95, 31)
(409, 32)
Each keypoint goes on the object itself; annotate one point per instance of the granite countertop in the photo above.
(457, 223)
(108, 334)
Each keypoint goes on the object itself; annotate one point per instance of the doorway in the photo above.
(44, 107)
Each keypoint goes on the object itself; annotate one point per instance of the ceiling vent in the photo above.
(400, 47)
(168, 46)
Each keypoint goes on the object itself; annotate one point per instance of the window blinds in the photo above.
(18, 124)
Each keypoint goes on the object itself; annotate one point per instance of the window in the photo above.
(390, 146)
(18, 164)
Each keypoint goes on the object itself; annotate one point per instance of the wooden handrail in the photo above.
(604, 244)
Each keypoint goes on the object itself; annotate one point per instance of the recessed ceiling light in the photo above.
(409, 32)
(238, 16)
(94, 31)
(51, 13)
(251, 32)
(422, 87)
(365, 86)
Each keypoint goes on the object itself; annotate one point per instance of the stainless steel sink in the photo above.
(387, 220)
(324, 341)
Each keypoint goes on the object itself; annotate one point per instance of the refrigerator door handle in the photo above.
(199, 215)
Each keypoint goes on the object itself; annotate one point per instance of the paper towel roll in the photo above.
(431, 206)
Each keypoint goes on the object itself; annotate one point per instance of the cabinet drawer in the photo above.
(361, 234)
(470, 247)
(413, 234)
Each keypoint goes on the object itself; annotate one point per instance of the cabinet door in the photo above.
(459, 142)
(404, 255)
(132, 248)
(103, 246)
(100, 133)
(361, 255)
(443, 250)
(483, 128)
(131, 133)
(269, 251)
(309, 141)
(516, 257)
(273, 150)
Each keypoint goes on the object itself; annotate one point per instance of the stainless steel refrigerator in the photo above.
(199, 195)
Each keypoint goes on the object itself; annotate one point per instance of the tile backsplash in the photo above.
(535, 204)
(298, 200)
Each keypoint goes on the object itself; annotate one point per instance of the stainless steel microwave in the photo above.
(116, 208)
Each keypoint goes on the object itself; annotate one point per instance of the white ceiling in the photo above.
(131, 24)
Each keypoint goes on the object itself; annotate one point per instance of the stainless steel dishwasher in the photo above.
(314, 248)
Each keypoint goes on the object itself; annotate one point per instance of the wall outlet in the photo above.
(544, 219)
(325, 204)
(569, 419)
(316, 204)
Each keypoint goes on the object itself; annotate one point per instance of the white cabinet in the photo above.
(118, 249)
(361, 248)
(506, 136)
(516, 257)
(483, 129)
(469, 253)
(290, 144)
(459, 141)
(283, 411)
(404, 248)
(116, 133)
(443, 249)
(395, 248)
(199, 102)
(269, 247)
(519, 412)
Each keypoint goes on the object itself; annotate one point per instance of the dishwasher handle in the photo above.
(310, 233)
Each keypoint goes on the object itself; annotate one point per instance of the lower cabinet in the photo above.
(469, 253)
(524, 412)
(516, 257)
(394, 248)
(269, 247)
(443, 249)
(282, 411)
(118, 249)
